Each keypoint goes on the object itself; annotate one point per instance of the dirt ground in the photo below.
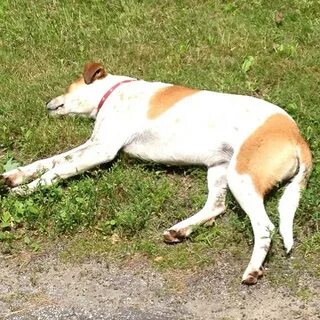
(41, 286)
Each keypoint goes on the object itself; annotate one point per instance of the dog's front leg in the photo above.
(21, 175)
(78, 161)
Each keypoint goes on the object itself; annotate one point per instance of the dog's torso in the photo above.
(247, 144)
(195, 127)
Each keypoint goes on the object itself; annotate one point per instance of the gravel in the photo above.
(42, 287)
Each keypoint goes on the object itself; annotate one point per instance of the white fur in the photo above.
(288, 205)
(205, 128)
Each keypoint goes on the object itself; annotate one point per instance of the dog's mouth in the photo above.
(55, 108)
(55, 104)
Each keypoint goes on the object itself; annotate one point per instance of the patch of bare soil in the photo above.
(43, 287)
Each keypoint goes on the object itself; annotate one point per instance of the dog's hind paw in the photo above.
(173, 236)
(252, 277)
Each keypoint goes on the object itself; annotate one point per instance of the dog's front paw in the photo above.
(12, 178)
(21, 191)
(250, 278)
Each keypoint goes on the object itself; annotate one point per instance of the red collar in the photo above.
(107, 94)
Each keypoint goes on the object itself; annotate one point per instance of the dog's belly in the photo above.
(178, 151)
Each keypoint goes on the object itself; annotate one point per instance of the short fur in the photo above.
(246, 143)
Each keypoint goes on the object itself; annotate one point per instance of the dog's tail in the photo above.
(290, 199)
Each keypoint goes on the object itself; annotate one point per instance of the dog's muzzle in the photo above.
(52, 105)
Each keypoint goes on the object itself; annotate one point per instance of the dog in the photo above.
(246, 143)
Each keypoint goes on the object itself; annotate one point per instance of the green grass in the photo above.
(218, 45)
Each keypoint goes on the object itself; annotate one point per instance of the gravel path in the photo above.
(42, 287)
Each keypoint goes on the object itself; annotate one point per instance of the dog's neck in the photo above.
(105, 87)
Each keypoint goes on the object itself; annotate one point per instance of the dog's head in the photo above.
(82, 96)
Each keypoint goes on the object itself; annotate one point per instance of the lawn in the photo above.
(268, 49)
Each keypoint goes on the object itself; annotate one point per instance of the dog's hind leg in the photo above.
(290, 199)
(215, 205)
(271, 154)
(251, 202)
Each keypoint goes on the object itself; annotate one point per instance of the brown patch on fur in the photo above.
(93, 71)
(75, 84)
(167, 97)
(270, 154)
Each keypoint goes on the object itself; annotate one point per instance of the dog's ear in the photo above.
(93, 71)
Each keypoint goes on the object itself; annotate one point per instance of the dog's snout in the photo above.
(54, 104)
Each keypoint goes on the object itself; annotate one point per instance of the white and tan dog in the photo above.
(246, 143)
